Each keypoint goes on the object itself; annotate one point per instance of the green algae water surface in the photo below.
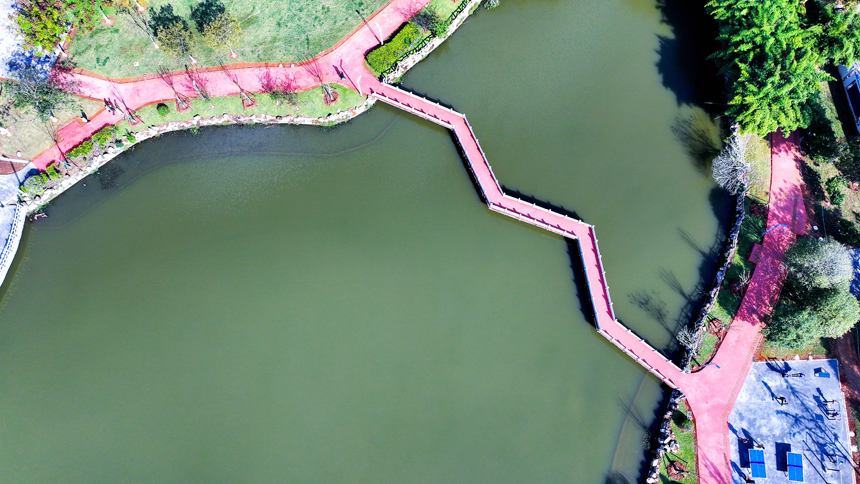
(279, 304)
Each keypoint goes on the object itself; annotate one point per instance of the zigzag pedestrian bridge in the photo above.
(583, 233)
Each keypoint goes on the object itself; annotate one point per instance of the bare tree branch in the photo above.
(731, 169)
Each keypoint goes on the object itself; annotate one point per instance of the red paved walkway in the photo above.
(713, 391)
(136, 93)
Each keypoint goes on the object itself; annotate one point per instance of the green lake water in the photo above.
(291, 304)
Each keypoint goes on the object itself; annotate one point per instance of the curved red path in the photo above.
(710, 393)
(136, 93)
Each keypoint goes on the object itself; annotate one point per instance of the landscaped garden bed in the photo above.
(680, 467)
(271, 31)
(738, 276)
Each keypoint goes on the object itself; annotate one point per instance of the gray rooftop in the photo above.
(811, 422)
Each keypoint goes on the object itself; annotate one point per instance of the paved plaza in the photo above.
(791, 407)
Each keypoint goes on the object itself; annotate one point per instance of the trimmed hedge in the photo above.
(82, 149)
(52, 172)
(385, 56)
(104, 135)
(835, 187)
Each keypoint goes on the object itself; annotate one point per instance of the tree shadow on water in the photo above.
(683, 62)
(579, 281)
(616, 478)
(700, 139)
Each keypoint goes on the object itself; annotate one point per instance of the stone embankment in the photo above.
(33, 204)
(666, 441)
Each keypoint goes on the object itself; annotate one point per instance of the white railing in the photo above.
(483, 155)
(602, 272)
(642, 361)
(533, 220)
(406, 107)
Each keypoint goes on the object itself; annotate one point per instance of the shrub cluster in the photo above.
(36, 184)
(104, 135)
(848, 233)
(385, 56)
(835, 189)
(815, 301)
(430, 21)
(82, 149)
(43, 22)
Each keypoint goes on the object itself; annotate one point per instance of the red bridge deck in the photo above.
(583, 233)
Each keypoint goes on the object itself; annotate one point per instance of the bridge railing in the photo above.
(639, 359)
(531, 220)
(483, 155)
(558, 229)
(406, 107)
(604, 282)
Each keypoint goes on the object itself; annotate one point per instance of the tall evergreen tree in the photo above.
(771, 62)
(840, 39)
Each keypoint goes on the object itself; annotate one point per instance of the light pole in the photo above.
(368, 26)
(709, 364)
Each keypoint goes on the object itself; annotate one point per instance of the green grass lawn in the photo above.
(709, 345)
(31, 136)
(827, 101)
(273, 31)
(751, 229)
(770, 351)
(758, 154)
(309, 103)
(442, 8)
(687, 452)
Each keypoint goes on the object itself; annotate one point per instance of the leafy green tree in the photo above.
(815, 301)
(824, 313)
(840, 38)
(43, 93)
(176, 40)
(222, 31)
(206, 12)
(771, 62)
(819, 264)
(163, 18)
(795, 328)
(42, 27)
